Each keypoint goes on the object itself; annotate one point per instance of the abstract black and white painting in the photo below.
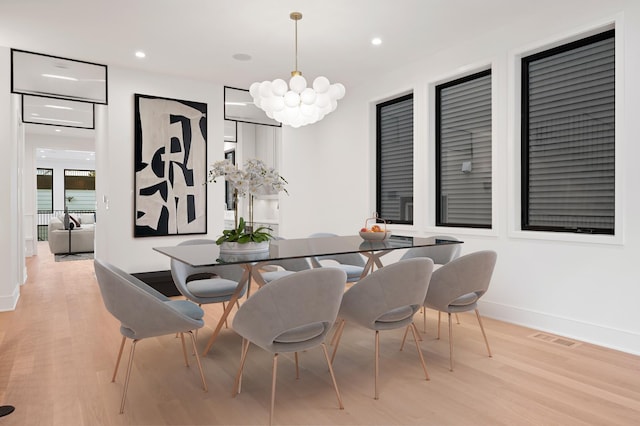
(170, 167)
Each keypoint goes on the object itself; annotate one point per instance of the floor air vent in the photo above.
(555, 339)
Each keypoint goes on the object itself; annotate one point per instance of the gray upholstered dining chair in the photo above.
(288, 267)
(206, 284)
(441, 255)
(144, 312)
(387, 299)
(457, 287)
(291, 314)
(351, 263)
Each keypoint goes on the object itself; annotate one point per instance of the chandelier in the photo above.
(296, 104)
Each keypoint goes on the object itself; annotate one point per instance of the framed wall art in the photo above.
(170, 167)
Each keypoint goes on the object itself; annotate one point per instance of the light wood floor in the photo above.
(58, 349)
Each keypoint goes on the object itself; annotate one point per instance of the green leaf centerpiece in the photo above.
(244, 234)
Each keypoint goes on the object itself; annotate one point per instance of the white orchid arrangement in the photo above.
(256, 178)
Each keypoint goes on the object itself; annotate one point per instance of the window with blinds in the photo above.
(463, 152)
(79, 189)
(44, 184)
(568, 137)
(394, 168)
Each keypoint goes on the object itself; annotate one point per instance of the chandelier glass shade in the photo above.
(296, 104)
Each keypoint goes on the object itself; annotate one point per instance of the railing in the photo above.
(44, 216)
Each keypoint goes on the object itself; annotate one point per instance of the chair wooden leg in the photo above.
(439, 316)
(333, 377)
(418, 334)
(115, 371)
(335, 334)
(224, 307)
(243, 358)
(404, 338)
(450, 343)
(195, 352)
(424, 320)
(457, 319)
(338, 335)
(184, 350)
(415, 336)
(273, 387)
(483, 333)
(126, 380)
(377, 367)
(297, 368)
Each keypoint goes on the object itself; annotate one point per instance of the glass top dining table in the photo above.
(210, 255)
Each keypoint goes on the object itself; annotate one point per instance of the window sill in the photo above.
(568, 237)
(456, 231)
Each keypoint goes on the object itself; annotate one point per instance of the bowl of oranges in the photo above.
(376, 232)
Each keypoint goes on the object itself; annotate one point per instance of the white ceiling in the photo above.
(198, 38)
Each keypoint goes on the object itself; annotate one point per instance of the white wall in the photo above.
(584, 287)
(115, 159)
(9, 247)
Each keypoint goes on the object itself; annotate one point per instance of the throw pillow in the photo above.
(74, 220)
(86, 218)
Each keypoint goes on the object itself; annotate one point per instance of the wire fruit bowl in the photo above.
(375, 232)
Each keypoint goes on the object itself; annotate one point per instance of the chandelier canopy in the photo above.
(296, 104)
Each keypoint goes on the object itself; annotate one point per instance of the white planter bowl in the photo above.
(239, 248)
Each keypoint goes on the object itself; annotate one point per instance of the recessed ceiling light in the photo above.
(58, 130)
(241, 57)
(377, 41)
(140, 54)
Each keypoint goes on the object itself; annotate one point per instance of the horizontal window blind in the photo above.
(45, 199)
(569, 137)
(80, 200)
(394, 184)
(463, 150)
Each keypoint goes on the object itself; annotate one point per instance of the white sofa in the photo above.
(82, 237)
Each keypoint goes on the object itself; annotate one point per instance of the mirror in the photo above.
(57, 112)
(55, 77)
(230, 131)
(238, 106)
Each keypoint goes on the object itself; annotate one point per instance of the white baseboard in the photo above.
(8, 303)
(597, 334)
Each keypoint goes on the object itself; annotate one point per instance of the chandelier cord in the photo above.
(296, 49)
(296, 16)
